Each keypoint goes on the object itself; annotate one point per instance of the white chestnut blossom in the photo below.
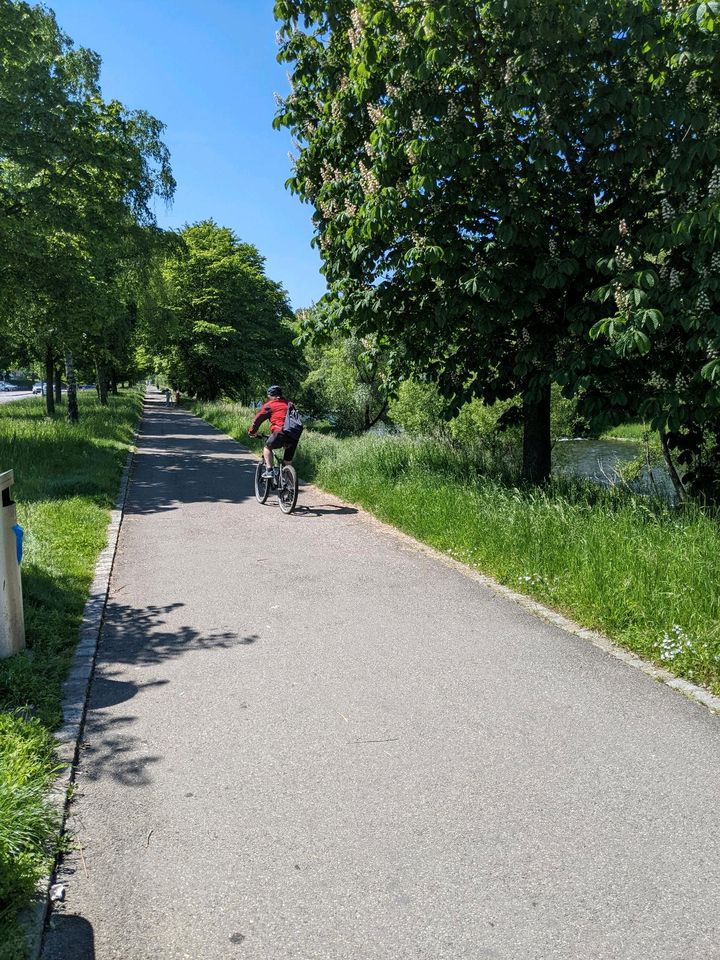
(375, 113)
(368, 179)
(714, 182)
(624, 261)
(355, 32)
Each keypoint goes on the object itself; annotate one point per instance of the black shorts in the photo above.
(282, 439)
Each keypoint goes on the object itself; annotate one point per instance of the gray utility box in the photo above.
(12, 622)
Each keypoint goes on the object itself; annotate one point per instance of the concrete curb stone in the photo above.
(76, 689)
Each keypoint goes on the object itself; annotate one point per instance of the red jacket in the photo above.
(275, 410)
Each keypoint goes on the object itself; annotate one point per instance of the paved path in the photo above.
(308, 740)
(8, 397)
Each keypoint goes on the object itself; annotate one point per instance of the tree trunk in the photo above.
(537, 446)
(102, 382)
(73, 412)
(680, 490)
(58, 383)
(49, 370)
(114, 382)
(380, 413)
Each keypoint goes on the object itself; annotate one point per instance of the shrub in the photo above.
(418, 408)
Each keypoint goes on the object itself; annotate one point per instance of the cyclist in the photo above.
(275, 410)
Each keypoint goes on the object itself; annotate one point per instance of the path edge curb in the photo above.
(76, 691)
(692, 691)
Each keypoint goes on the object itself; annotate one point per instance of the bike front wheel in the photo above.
(288, 492)
(262, 487)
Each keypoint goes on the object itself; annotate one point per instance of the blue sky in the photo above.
(207, 69)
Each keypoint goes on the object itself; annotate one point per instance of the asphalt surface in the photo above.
(6, 396)
(308, 739)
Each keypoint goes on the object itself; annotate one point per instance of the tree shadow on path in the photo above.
(181, 460)
(138, 638)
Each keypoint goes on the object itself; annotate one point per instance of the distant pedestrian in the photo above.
(166, 391)
(177, 398)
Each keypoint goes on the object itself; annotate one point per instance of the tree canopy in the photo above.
(473, 167)
(78, 176)
(219, 324)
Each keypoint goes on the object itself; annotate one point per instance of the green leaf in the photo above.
(711, 371)
(641, 342)
(653, 319)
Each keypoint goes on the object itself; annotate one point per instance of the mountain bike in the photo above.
(284, 482)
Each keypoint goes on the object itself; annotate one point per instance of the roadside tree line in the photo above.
(509, 196)
(78, 177)
(88, 280)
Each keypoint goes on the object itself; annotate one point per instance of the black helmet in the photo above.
(274, 391)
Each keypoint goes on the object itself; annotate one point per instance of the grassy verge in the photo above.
(642, 572)
(635, 430)
(66, 480)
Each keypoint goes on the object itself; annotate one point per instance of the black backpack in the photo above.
(293, 422)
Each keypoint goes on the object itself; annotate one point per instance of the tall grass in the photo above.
(66, 480)
(27, 822)
(641, 571)
(635, 430)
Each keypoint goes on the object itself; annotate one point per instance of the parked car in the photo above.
(38, 389)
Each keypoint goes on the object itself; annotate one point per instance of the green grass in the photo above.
(641, 571)
(66, 481)
(635, 430)
(28, 824)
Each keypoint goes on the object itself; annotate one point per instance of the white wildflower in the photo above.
(674, 643)
(532, 579)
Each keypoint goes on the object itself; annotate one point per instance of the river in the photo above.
(600, 460)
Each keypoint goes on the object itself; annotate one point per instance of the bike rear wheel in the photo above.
(262, 487)
(288, 492)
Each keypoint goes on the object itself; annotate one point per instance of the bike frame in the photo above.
(277, 483)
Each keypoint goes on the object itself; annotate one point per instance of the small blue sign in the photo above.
(19, 536)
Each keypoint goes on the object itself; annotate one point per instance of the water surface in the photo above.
(602, 460)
